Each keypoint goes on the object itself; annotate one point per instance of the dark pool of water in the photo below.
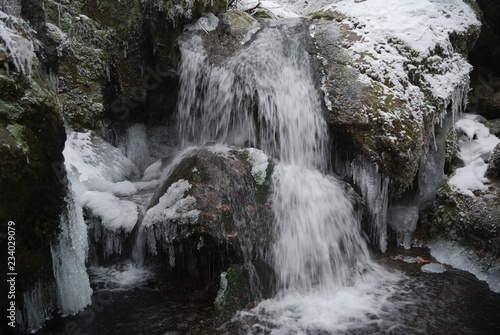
(453, 302)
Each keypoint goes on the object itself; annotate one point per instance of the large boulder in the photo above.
(494, 163)
(214, 207)
(383, 91)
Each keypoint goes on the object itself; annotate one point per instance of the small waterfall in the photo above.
(264, 96)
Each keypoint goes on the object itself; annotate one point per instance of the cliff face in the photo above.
(32, 188)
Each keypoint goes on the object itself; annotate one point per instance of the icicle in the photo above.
(125, 47)
(375, 192)
(54, 80)
(38, 307)
(69, 253)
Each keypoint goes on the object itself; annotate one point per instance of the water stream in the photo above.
(263, 96)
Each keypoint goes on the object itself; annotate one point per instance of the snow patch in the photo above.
(90, 157)
(115, 214)
(475, 146)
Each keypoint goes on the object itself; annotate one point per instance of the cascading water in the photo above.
(264, 96)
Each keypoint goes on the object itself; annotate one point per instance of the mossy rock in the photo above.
(327, 15)
(231, 216)
(493, 126)
(470, 221)
(246, 285)
(32, 187)
(494, 163)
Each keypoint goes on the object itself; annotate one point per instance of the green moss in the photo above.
(328, 15)
(17, 131)
(262, 195)
(246, 285)
(262, 14)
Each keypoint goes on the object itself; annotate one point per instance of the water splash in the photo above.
(264, 96)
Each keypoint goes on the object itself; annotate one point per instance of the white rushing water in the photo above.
(264, 95)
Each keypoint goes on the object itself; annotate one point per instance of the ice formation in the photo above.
(375, 190)
(15, 40)
(433, 268)
(39, 304)
(173, 208)
(259, 161)
(460, 258)
(136, 146)
(69, 254)
(475, 145)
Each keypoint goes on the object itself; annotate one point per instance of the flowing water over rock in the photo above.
(263, 96)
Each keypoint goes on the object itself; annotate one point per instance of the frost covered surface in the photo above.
(92, 158)
(15, 40)
(405, 49)
(476, 145)
(172, 208)
(208, 22)
(452, 254)
(259, 161)
(433, 268)
(115, 213)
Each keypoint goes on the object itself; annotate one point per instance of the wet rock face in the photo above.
(32, 188)
(111, 61)
(219, 212)
(494, 164)
(484, 97)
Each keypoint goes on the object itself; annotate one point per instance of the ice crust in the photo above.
(259, 161)
(475, 145)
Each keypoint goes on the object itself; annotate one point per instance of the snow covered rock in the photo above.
(210, 203)
(391, 73)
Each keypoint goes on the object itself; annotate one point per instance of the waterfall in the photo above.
(264, 96)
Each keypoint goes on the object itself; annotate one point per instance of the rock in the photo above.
(470, 221)
(484, 97)
(493, 126)
(32, 177)
(113, 62)
(210, 204)
(369, 110)
(494, 163)
(239, 24)
(243, 286)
